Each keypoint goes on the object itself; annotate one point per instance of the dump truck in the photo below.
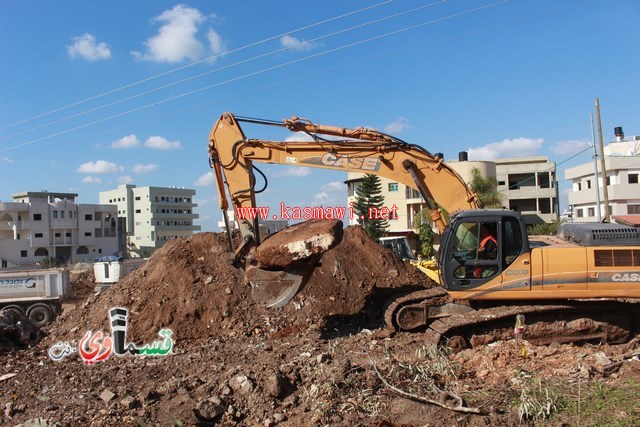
(573, 287)
(36, 292)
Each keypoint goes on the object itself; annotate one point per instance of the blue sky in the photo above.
(96, 94)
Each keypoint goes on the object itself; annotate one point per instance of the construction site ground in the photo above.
(326, 358)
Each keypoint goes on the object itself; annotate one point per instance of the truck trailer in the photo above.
(35, 293)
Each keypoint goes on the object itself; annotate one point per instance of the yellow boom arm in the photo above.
(231, 156)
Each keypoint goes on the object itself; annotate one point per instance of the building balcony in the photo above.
(7, 225)
(14, 207)
(175, 216)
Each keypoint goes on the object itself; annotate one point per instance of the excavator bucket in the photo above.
(286, 259)
(274, 289)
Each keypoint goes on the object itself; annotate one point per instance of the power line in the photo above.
(211, 58)
(376, 21)
(264, 70)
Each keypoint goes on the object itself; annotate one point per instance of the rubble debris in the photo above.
(235, 362)
(107, 395)
(17, 331)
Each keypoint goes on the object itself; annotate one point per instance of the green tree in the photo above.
(544, 229)
(369, 201)
(423, 225)
(486, 189)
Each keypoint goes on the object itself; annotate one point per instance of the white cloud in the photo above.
(205, 180)
(176, 39)
(335, 186)
(566, 148)
(140, 168)
(399, 125)
(6, 160)
(86, 47)
(299, 136)
(125, 179)
(161, 143)
(128, 141)
(294, 171)
(321, 198)
(91, 180)
(516, 147)
(216, 45)
(333, 193)
(297, 44)
(100, 166)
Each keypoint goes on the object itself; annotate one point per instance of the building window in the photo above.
(579, 186)
(62, 214)
(38, 235)
(88, 217)
(633, 178)
(68, 234)
(633, 209)
(138, 211)
(37, 217)
(87, 234)
(393, 186)
(137, 197)
(55, 214)
(579, 213)
(608, 180)
(57, 234)
(588, 184)
(23, 254)
(591, 211)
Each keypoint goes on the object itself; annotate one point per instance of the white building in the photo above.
(622, 163)
(149, 216)
(267, 226)
(38, 225)
(528, 185)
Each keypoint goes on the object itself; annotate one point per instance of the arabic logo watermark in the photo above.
(98, 347)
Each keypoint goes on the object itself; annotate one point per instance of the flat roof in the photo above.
(44, 194)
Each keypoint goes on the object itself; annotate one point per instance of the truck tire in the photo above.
(40, 315)
(14, 307)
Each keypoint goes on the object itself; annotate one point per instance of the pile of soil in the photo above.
(189, 286)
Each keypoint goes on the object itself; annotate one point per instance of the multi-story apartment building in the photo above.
(528, 185)
(152, 215)
(622, 165)
(39, 225)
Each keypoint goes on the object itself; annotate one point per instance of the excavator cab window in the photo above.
(473, 253)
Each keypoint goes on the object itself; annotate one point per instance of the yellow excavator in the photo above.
(576, 286)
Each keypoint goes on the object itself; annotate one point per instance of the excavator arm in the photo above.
(232, 156)
(363, 150)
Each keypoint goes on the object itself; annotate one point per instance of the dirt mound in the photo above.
(81, 284)
(352, 283)
(189, 286)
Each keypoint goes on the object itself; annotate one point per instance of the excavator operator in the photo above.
(487, 248)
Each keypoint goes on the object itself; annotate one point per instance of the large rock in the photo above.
(299, 242)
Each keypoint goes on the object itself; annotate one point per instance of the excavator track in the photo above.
(568, 321)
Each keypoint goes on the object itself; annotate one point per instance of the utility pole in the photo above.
(605, 192)
(595, 169)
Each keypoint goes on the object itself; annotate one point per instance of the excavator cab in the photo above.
(479, 246)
